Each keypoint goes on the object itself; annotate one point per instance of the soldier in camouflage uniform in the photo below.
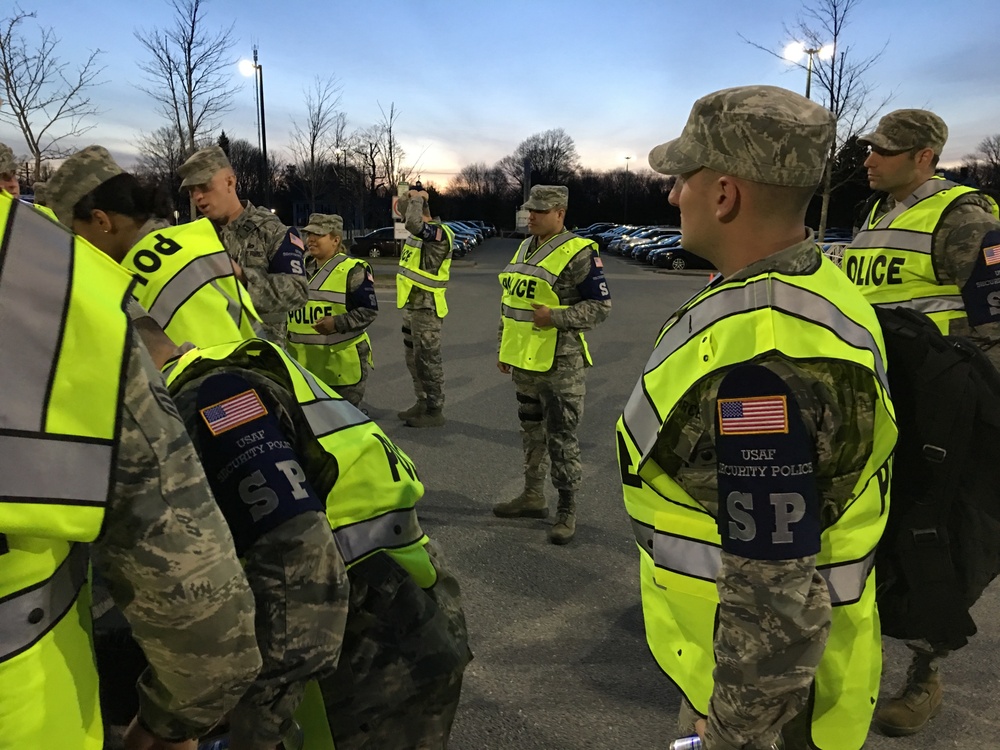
(756, 445)
(324, 241)
(550, 388)
(423, 310)
(904, 152)
(168, 558)
(268, 252)
(8, 171)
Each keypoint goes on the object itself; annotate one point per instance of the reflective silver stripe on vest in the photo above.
(420, 278)
(929, 305)
(526, 269)
(35, 281)
(183, 284)
(337, 298)
(545, 250)
(524, 316)
(931, 187)
(325, 339)
(697, 559)
(395, 529)
(893, 239)
(234, 307)
(42, 469)
(323, 274)
(641, 418)
(327, 415)
(28, 615)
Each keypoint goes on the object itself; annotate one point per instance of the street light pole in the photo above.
(255, 69)
(795, 51)
(625, 212)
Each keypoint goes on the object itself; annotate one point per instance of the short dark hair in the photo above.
(124, 194)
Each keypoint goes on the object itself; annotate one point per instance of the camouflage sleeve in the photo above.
(956, 252)
(276, 283)
(583, 313)
(774, 614)
(168, 557)
(361, 302)
(414, 216)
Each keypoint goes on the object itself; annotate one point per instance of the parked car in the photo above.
(596, 228)
(661, 246)
(677, 259)
(376, 244)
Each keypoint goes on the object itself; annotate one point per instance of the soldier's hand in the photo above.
(419, 194)
(138, 738)
(543, 316)
(325, 326)
(238, 271)
(700, 726)
(503, 367)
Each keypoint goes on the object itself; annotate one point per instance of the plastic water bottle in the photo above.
(216, 743)
(294, 739)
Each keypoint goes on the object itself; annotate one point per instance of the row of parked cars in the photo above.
(382, 242)
(661, 246)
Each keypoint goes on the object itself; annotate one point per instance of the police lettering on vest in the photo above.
(311, 315)
(864, 270)
(520, 287)
(150, 261)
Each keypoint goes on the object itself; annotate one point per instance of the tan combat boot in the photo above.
(429, 418)
(531, 503)
(917, 703)
(564, 529)
(414, 411)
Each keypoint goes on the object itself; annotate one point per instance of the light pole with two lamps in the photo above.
(253, 68)
(795, 51)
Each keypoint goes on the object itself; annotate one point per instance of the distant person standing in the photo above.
(421, 282)
(8, 171)
(328, 336)
(269, 253)
(928, 245)
(553, 290)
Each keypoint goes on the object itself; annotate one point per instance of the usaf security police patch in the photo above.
(981, 292)
(768, 503)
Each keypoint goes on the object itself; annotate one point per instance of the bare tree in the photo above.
(841, 79)
(49, 102)
(551, 154)
(390, 153)
(189, 71)
(314, 142)
(160, 153)
(984, 164)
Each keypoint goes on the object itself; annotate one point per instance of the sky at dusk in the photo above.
(473, 78)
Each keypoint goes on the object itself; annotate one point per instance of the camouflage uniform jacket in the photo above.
(955, 248)
(168, 558)
(580, 314)
(253, 239)
(774, 616)
(432, 252)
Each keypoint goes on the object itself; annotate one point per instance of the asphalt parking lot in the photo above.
(561, 660)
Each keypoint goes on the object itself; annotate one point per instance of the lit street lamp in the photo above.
(796, 50)
(248, 69)
(625, 212)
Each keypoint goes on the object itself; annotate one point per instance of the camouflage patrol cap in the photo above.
(79, 175)
(8, 164)
(765, 134)
(323, 224)
(907, 129)
(545, 197)
(202, 165)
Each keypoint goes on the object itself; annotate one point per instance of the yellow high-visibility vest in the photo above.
(63, 345)
(528, 279)
(809, 317)
(891, 259)
(410, 274)
(187, 284)
(333, 357)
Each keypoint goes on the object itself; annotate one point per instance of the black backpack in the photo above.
(941, 546)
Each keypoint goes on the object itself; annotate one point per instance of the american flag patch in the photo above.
(992, 255)
(296, 240)
(598, 262)
(233, 412)
(438, 235)
(368, 275)
(761, 415)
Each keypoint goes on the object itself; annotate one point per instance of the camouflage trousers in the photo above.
(794, 735)
(550, 406)
(399, 679)
(301, 592)
(355, 393)
(422, 339)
